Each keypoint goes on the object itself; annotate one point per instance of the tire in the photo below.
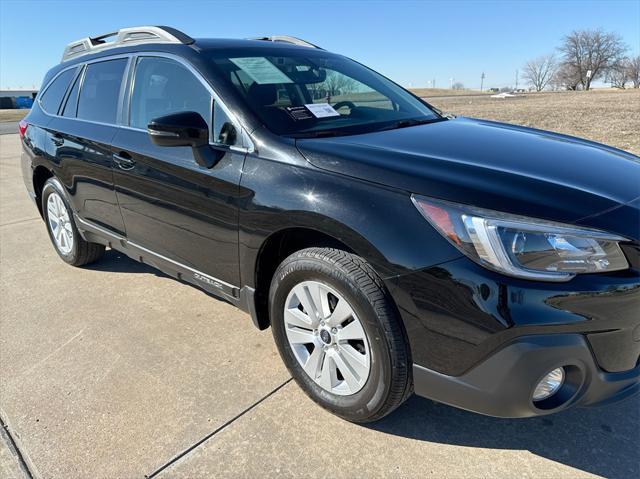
(73, 249)
(332, 273)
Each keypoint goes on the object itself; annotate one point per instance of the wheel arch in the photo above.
(40, 176)
(275, 248)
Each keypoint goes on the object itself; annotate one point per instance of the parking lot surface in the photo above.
(8, 127)
(115, 370)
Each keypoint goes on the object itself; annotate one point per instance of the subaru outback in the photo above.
(391, 248)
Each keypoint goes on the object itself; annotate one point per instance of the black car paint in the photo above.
(82, 152)
(178, 209)
(356, 190)
(491, 165)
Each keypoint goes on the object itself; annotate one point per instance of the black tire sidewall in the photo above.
(367, 401)
(53, 185)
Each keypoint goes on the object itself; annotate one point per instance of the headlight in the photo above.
(523, 247)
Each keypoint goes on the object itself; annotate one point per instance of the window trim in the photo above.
(246, 145)
(131, 83)
(48, 85)
(124, 97)
(78, 77)
(84, 76)
(84, 65)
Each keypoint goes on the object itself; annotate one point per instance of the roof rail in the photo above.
(288, 39)
(123, 37)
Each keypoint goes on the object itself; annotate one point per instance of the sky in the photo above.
(412, 42)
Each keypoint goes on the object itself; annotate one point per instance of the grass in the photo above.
(436, 92)
(611, 117)
(12, 115)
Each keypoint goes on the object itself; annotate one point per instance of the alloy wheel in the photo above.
(327, 338)
(60, 223)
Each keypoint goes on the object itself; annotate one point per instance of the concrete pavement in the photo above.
(115, 370)
(8, 127)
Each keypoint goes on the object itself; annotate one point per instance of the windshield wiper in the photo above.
(318, 134)
(408, 123)
(393, 126)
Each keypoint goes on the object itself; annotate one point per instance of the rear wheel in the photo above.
(64, 234)
(339, 333)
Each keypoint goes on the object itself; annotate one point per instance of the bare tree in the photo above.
(592, 51)
(634, 71)
(618, 74)
(338, 84)
(566, 77)
(458, 86)
(539, 71)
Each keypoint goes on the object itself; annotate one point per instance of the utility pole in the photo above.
(434, 83)
(481, 82)
(451, 82)
(516, 79)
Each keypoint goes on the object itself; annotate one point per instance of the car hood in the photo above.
(493, 165)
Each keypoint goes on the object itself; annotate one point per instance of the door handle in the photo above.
(124, 161)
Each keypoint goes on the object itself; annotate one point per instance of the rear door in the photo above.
(172, 207)
(80, 137)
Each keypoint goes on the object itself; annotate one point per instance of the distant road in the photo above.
(8, 127)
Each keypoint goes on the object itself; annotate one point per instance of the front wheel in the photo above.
(339, 333)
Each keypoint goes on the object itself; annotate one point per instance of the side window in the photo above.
(52, 96)
(100, 90)
(224, 131)
(163, 86)
(71, 106)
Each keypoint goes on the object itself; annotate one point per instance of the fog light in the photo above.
(549, 385)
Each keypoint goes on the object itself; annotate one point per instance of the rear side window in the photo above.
(100, 90)
(163, 86)
(52, 96)
(71, 106)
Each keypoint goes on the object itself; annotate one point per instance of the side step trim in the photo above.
(170, 266)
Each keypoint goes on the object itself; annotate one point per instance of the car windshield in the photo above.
(312, 93)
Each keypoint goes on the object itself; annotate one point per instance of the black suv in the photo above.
(390, 248)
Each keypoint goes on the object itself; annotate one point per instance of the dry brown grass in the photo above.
(606, 116)
(436, 92)
(13, 115)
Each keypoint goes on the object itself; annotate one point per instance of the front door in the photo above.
(171, 206)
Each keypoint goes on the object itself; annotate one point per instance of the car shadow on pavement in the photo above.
(598, 440)
(115, 262)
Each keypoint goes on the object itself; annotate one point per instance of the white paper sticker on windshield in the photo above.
(322, 110)
(261, 70)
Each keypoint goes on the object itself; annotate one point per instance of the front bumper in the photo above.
(503, 384)
(482, 341)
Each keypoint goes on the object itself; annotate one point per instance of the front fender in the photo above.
(377, 223)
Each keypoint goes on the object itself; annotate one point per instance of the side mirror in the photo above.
(186, 128)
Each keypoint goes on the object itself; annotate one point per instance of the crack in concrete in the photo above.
(17, 222)
(216, 431)
(7, 437)
(51, 354)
